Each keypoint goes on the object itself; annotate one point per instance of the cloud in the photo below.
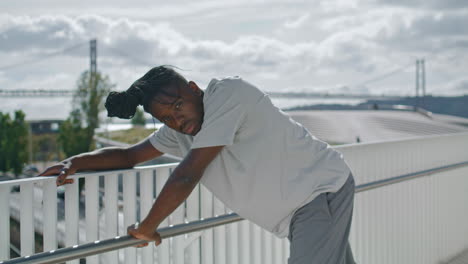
(428, 4)
(404, 27)
(135, 44)
(351, 48)
(388, 38)
(144, 40)
(333, 6)
(345, 50)
(130, 42)
(292, 24)
(431, 31)
(46, 33)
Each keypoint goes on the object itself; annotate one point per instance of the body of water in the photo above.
(59, 108)
(285, 103)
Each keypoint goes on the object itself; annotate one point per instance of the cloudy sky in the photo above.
(282, 45)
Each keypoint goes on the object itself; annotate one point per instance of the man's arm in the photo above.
(103, 159)
(176, 190)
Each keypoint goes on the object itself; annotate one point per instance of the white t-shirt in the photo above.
(270, 165)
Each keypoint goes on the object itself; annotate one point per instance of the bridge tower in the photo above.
(92, 56)
(420, 82)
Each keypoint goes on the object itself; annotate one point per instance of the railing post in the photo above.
(219, 235)
(178, 245)
(110, 209)
(4, 222)
(232, 249)
(285, 250)
(129, 210)
(266, 247)
(146, 202)
(277, 252)
(92, 213)
(244, 242)
(207, 242)
(71, 216)
(49, 192)
(27, 219)
(255, 245)
(163, 250)
(193, 214)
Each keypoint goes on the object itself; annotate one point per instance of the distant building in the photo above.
(44, 126)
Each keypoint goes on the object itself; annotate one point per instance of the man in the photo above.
(252, 156)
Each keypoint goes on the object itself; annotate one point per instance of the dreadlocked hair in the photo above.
(143, 91)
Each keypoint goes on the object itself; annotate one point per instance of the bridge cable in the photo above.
(47, 56)
(384, 76)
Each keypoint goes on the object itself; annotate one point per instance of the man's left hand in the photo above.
(144, 233)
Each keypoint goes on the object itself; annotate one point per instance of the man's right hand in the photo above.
(62, 169)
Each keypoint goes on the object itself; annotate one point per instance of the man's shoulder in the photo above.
(225, 82)
(232, 85)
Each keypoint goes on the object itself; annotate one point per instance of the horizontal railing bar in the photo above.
(406, 177)
(99, 173)
(86, 174)
(398, 140)
(81, 251)
(97, 247)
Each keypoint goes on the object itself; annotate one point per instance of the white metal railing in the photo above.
(417, 221)
(96, 247)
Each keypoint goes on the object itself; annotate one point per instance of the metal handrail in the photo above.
(97, 247)
(406, 177)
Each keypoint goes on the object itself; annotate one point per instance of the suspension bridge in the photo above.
(42, 92)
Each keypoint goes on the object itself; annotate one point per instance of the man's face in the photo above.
(182, 112)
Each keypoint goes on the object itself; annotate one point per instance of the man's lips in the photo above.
(189, 128)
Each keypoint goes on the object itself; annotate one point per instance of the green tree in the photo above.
(77, 132)
(139, 118)
(13, 142)
(5, 124)
(72, 136)
(45, 147)
(19, 142)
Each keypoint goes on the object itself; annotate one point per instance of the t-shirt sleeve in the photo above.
(224, 113)
(165, 140)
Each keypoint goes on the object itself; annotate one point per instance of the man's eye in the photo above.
(177, 106)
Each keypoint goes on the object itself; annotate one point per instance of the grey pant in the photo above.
(319, 230)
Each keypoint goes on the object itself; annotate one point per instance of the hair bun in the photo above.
(136, 93)
(122, 104)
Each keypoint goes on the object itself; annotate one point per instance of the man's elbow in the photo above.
(129, 160)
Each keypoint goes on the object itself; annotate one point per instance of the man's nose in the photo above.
(179, 119)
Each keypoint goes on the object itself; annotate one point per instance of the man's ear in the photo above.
(194, 87)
